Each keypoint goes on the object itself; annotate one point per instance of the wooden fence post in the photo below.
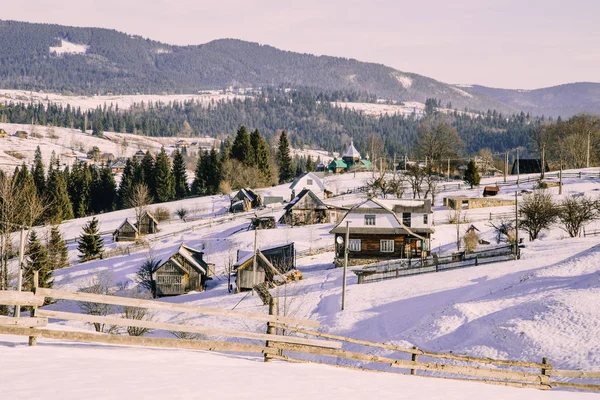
(544, 370)
(414, 358)
(273, 308)
(35, 284)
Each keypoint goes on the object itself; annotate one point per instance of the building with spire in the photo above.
(351, 160)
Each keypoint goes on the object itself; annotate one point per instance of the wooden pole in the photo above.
(345, 264)
(36, 283)
(414, 358)
(516, 225)
(560, 175)
(544, 371)
(20, 273)
(518, 168)
(448, 174)
(543, 160)
(505, 165)
(254, 261)
(273, 306)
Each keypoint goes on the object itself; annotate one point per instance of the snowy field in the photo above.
(544, 305)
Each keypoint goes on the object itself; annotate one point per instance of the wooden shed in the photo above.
(21, 134)
(490, 191)
(184, 271)
(126, 232)
(267, 222)
(245, 200)
(3, 134)
(270, 262)
(147, 224)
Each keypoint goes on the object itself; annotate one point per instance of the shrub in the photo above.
(471, 240)
(182, 213)
(162, 214)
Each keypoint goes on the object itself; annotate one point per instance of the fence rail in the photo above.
(300, 342)
(393, 269)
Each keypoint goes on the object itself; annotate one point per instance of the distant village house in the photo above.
(245, 200)
(184, 271)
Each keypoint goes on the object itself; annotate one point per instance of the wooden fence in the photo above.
(296, 337)
(393, 269)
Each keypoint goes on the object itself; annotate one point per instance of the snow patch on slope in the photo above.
(67, 47)
(403, 79)
(461, 92)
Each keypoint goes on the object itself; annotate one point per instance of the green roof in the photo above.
(338, 164)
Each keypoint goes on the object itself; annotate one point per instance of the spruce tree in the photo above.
(90, 243)
(98, 128)
(58, 254)
(284, 160)
(179, 176)
(165, 188)
(38, 172)
(147, 173)
(310, 166)
(226, 147)
(260, 153)
(472, 174)
(199, 183)
(126, 185)
(37, 260)
(60, 207)
(241, 149)
(213, 172)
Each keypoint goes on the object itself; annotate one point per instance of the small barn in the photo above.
(126, 232)
(139, 155)
(147, 224)
(3, 134)
(528, 166)
(267, 222)
(184, 271)
(21, 134)
(245, 200)
(117, 167)
(307, 209)
(270, 262)
(308, 180)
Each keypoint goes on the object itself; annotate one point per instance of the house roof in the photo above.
(351, 151)
(245, 255)
(376, 206)
(149, 214)
(308, 175)
(188, 253)
(335, 163)
(306, 192)
(118, 164)
(126, 222)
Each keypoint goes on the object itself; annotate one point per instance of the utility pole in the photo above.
(20, 274)
(448, 174)
(254, 262)
(587, 160)
(345, 264)
(560, 174)
(543, 160)
(405, 160)
(457, 216)
(517, 255)
(505, 165)
(518, 170)
(394, 166)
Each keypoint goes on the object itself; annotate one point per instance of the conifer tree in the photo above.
(37, 260)
(310, 166)
(58, 254)
(199, 183)
(38, 172)
(241, 149)
(179, 176)
(98, 128)
(60, 207)
(284, 160)
(226, 147)
(472, 174)
(213, 172)
(260, 153)
(165, 188)
(90, 243)
(147, 173)
(126, 185)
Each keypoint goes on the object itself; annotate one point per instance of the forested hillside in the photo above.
(309, 118)
(119, 63)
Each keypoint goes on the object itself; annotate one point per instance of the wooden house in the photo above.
(528, 166)
(270, 262)
(181, 144)
(3, 134)
(351, 161)
(308, 209)
(307, 180)
(147, 224)
(117, 167)
(139, 155)
(126, 232)
(182, 272)
(21, 134)
(245, 200)
(385, 229)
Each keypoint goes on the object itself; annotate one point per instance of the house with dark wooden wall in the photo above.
(270, 262)
(528, 166)
(385, 229)
(307, 209)
(245, 200)
(126, 232)
(184, 271)
(147, 224)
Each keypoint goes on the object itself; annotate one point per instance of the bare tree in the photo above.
(99, 284)
(505, 231)
(145, 272)
(415, 176)
(138, 314)
(431, 183)
(437, 142)
(182, 213)
(575, 212)
(140, 198)
(537, 212)
(470, 240)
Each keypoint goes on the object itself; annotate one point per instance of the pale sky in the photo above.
(522, 44)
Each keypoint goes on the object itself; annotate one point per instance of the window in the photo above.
(406, 219)
(309, 181)
(386, 246)
(370, 220)
(425, 218)
(354, 245)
